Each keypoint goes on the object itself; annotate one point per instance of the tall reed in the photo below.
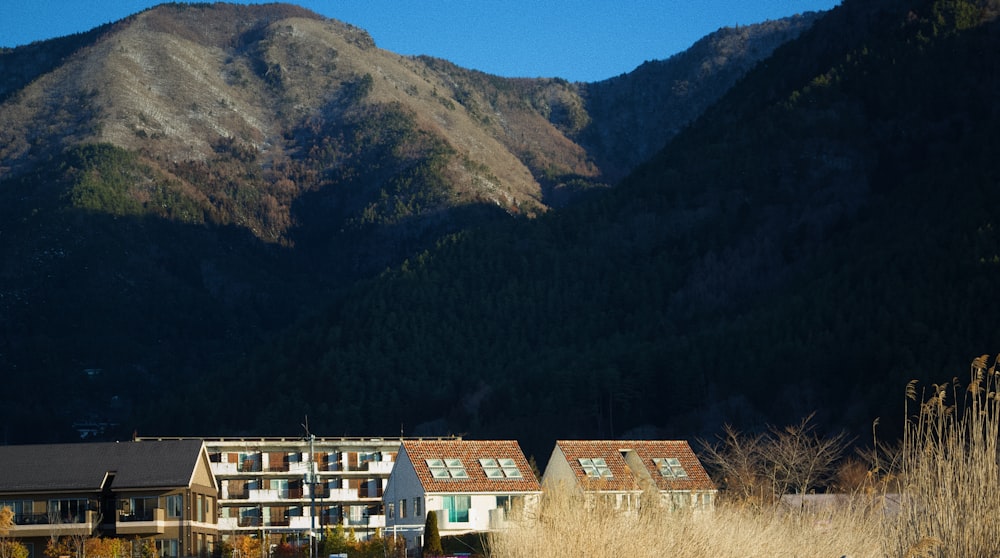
(950, 501)
(943, 490)
(565, 528)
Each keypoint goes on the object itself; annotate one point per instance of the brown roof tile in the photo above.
(623, 479)
(470, 452)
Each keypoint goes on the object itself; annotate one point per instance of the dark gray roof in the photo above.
(83, 467)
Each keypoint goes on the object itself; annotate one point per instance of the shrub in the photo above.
(432, 538)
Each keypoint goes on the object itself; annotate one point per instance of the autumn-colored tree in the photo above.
(287, 550)
(144, 548)
(57, 546)
(9, 548)
(244, 546)
(100, 547)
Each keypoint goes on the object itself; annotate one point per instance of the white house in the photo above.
(470, 484)
(622, 472)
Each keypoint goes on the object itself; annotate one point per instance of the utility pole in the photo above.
(311, 481)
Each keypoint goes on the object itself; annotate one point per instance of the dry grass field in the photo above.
(944, 485)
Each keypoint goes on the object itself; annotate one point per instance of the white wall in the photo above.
(558, 474)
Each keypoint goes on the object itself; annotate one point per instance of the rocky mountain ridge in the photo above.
(178, 187)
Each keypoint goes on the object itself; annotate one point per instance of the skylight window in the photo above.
(499, 469)
(670, 467)
(596, 468)
(447, 469)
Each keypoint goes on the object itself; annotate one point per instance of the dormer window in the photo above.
(595, 467)
(500, 468)
(670, 467)
(447, 469)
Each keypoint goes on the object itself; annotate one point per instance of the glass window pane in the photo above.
(493, 473)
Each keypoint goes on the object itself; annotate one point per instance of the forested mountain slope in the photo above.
(819, 237)
(178, 187)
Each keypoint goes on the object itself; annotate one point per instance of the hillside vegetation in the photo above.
(265, 208)
(815, 239)
(179, 187)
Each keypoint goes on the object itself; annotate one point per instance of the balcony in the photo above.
(249, 522)
(342, 495)
(380, 467)
(223, 469)
(44, 525)
(151, 522)
(263, 495)
(446, 524)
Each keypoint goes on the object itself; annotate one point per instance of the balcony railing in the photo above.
(225, 468)
(34, 519)
(148, 522)
(384, 467)
(147, 515)
(43, 524)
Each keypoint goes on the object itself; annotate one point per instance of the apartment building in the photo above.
(274, 487)
(162, 492)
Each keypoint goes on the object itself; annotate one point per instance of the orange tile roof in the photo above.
(470, 452)
(623, 479)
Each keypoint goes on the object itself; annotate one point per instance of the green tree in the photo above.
(335, 541)
(432, 538)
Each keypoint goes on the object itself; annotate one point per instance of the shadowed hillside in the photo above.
(180, 187)
(818, 237)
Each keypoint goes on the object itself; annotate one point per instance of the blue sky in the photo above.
(579, 40)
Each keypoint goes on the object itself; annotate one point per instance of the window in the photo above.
(249, 517)
(281, 486)
(20, 508)
(457, 508)
(417, 507)
(73, 510)
(509, 502)
(390, 512)
(500, 468)
(447, 469)
(137, 509)
(680, 500)
(596, 467)
(670, 467)
(402, 509)
(168, 548)
(175, 505)
(249, 462)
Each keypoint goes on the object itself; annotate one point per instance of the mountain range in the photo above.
(216, 219)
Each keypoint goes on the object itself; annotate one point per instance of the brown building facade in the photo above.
(162, 492)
